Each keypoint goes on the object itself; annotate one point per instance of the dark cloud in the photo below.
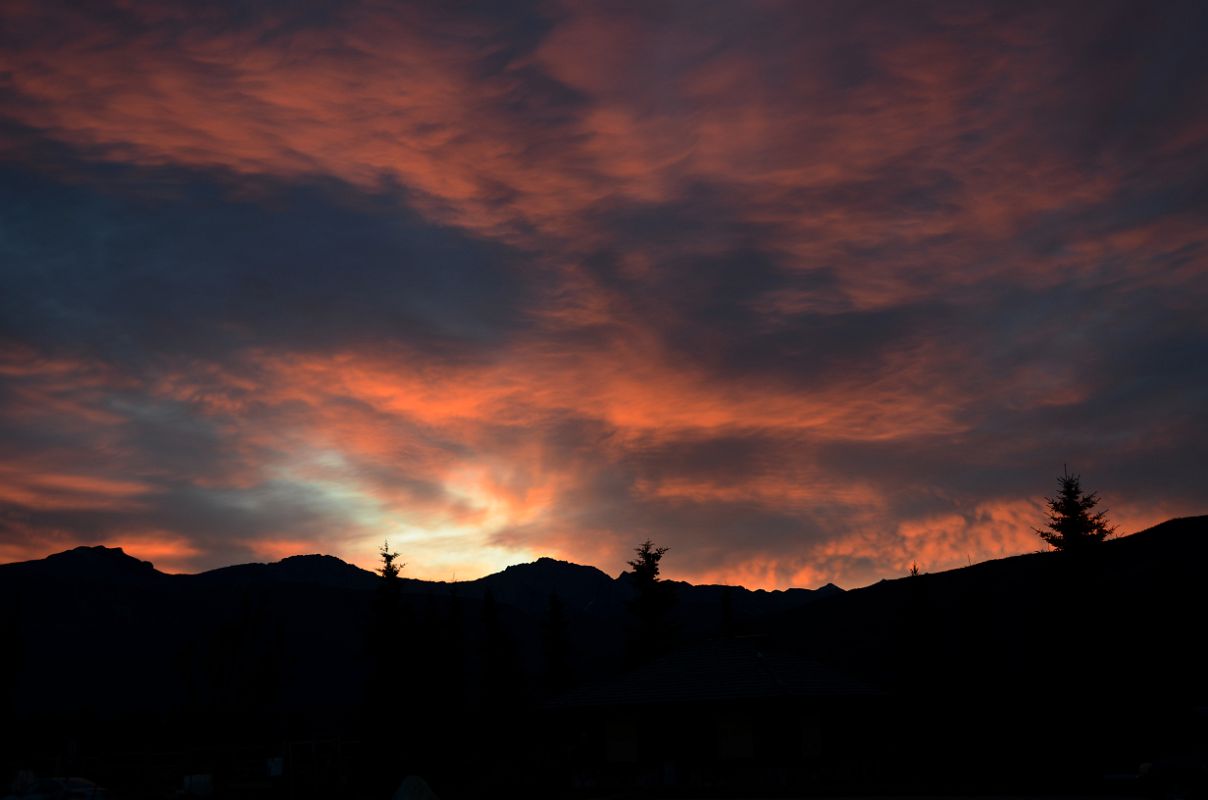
(200, 270)
(806, 292)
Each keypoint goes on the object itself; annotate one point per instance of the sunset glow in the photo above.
(806, 295)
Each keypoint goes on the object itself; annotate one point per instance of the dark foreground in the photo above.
(1034, 676)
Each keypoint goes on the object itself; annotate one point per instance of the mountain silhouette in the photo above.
(94, 564)
(314, 608)
(1102, 651)
(318, 570)
(529, 586)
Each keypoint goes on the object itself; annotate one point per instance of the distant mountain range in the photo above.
(131, 623)
(140, 630)
(1003, 662)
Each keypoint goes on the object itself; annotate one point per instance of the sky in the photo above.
(806, 292)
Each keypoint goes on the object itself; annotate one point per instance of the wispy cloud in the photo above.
(808, 293)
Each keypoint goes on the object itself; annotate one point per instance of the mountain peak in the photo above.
(531, 584)
(312, 568)
(546, 568)
(97, 561)
(313, 560)
(322, 569)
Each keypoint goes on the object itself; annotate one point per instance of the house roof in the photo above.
(718, 671)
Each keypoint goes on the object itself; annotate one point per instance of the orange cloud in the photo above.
(402, 97)
(66, 491)
(168, 551)
(875, 169)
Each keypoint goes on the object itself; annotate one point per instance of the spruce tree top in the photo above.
(646, 565)
(390, 570)
(1072, 526)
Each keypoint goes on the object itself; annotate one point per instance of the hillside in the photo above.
(989, 666)
(1043, 662)
(141, 631)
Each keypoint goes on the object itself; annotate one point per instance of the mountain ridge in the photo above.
(99, 561)
(319, 565)
(989, 648)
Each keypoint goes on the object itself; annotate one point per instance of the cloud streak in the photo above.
(806, 293)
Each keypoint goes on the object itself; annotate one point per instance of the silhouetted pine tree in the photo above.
(386, 630)
(385, 645)
(1071, 525)
(646, 565)
(389, 571)
(651, 604)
